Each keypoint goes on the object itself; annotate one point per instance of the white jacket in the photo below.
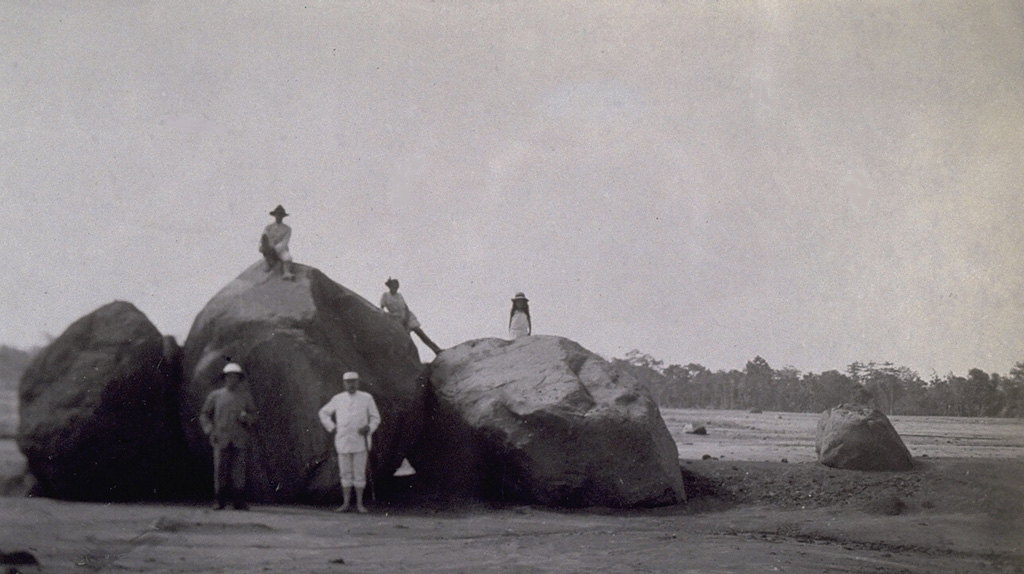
(345, 414)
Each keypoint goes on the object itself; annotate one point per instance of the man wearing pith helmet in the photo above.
(227, 417)
(352, 416)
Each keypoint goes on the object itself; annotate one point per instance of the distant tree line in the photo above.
(13, 363)
(891, 389)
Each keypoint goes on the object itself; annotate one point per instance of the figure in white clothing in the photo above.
(519, 324)
(394, 305)
(274, 244)
(352, 415)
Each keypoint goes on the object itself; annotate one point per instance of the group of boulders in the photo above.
(109, 410)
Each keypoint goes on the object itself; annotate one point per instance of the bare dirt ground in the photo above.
(957, 511)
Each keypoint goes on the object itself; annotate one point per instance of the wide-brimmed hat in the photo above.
(520, 297)
(391, 282)
(279, 211)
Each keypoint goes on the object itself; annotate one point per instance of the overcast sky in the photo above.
(816, 183)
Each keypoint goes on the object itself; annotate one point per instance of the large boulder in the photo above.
(97, 414)
(859, 437)
(543, 420)
(295, 340)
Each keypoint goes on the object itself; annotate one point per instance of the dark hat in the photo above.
(520, 297)
(391, 282)
(279, 211)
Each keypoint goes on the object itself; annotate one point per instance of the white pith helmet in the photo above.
(232, 368)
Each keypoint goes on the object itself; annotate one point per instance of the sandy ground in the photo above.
(954, 513)
(66, 536)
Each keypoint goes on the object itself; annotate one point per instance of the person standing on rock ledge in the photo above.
(394, 304)
(274, 244)
(352, 416)
(226, 417)
(519, 324)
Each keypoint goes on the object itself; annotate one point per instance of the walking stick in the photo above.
(369, 469)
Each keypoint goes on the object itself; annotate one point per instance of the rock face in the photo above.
(295, 340)
(541, 419)
(858, 437)
(97, 413)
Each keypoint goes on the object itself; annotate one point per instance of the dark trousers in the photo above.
(269, 253)
(229, 474)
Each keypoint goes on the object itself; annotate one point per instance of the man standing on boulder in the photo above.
(394, 304)
(226, 417)
(352, 415)
(274, 244)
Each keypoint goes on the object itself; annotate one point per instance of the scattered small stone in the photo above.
(886, 505)
(785, 460)
(338, 561)
(706, 457)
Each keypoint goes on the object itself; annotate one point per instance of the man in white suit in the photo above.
(353, 416)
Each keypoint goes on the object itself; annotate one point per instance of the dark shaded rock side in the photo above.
(98, 419)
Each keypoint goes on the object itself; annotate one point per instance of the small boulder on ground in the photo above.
(543, 420)
(690, 428)
(859, 437)
(295, 340)
(97, 414)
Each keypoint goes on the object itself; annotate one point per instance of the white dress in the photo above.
(519, 326)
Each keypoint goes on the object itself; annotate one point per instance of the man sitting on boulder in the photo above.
(352, 415)
(226, 417)
(274, 244)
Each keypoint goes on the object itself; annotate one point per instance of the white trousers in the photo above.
(352, 468)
